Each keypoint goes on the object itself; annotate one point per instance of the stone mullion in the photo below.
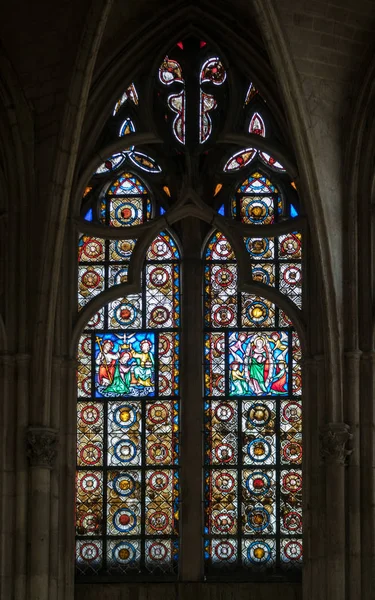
(191, 561)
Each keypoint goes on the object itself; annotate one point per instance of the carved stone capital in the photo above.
(333, 440)
(42, 447)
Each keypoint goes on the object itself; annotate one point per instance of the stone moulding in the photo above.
(333, 440)
(42, 447)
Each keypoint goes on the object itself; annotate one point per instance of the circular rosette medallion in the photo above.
(89, 523)
(292, 482)
(124, 248)
(124, 520)
(258, 483)
(222, 248)
(93, 249)
(259, 553)
(158, 521)
(292, 412)
(95, 320)
(125, 416)
(261, 275)
(125, 314)
(86, 346)
(290, 246)
(124, 484)
(159, 277)
(223, 522)
(224, 482)
(158, 453)
(219, 345)
(257, 312)
(258, 519)
(292, 275)
(160, 315)
(257, 211)
(89, 483)
(90, 454)
(259, 450)
(223, 316)
(292, 521)
(158, 481)
(224, 412)
(293, 550)
(157, 551)
(125, 450)
(90, 414)
(124, 553)
(159, 250)
(158, 414)
(292, 452)
(257, 247)
(164, 345)
(90, 279)
(224, 453)
(126, 213)
(224, 550)
(258, 414)
(223, 277)
(89, 552)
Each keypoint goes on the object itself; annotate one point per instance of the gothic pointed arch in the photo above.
(194, 147)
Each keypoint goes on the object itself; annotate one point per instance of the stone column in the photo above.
(41, 450)
(334, 438)
(353, 479)
(367, 486)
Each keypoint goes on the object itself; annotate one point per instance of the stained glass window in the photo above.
(252, 408)
(129, 463)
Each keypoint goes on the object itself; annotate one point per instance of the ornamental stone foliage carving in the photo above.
(333, 440)
(42, 447)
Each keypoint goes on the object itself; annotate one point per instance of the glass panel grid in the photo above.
(127, 509)
(253, 434)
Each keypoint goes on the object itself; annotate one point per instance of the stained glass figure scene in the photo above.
(252, 412)
(127, 504)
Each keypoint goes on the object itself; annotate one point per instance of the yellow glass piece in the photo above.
(218, 188)
(87, 190)
(167, 190)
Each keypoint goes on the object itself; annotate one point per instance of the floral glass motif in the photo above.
(129, 94)
(170, 72)
(213, 72)
(127, 503)
(252, 412)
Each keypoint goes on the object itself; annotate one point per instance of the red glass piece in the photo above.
(203, 44)
(108, 164)
(180, 45)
